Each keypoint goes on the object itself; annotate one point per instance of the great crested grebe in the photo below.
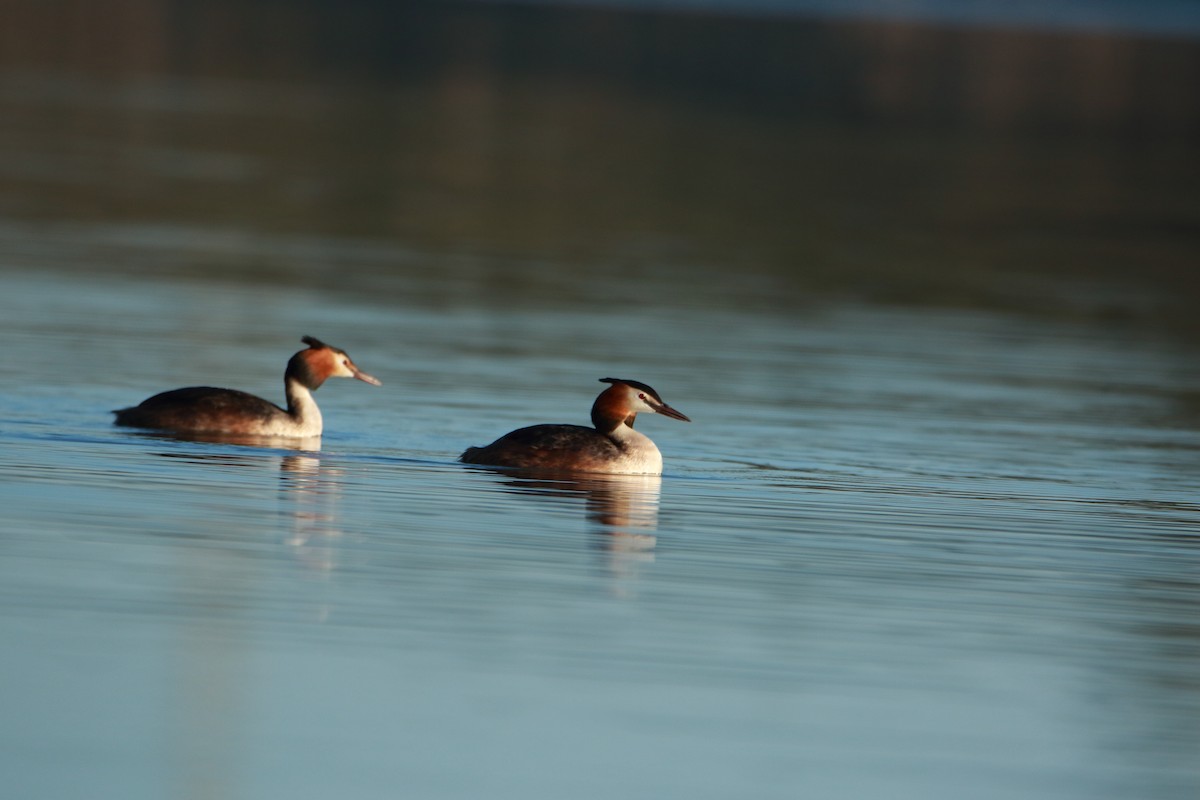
(203, 409)
(611, 446)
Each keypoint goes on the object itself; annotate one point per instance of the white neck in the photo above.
(302, 408)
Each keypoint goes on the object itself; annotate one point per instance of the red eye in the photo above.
(641, 396)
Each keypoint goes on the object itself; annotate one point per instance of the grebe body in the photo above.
(612, 445)
(206, 409)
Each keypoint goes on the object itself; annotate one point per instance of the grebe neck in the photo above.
(612, 417)
(610, 412)
(301, 407)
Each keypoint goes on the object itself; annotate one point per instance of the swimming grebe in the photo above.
(611, 446)
(203, 409)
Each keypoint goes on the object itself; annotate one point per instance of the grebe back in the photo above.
(205, 409)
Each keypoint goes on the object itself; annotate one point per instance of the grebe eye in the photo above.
(641, 396)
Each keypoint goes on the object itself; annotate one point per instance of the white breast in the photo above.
(639, 456)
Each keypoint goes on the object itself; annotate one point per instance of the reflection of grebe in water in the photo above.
(229, 412)
(611, 446)
(310, 493)
(624, 507)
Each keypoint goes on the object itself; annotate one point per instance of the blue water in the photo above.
(872, 566)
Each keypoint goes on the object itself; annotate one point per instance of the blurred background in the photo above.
(1039, 157)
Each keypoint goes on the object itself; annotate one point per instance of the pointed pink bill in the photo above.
(365, 378)
(666, 410)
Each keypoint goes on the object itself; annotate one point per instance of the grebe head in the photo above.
(320, 361)
(626, 399)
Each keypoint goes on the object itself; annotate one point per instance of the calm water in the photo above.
(933, 532)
